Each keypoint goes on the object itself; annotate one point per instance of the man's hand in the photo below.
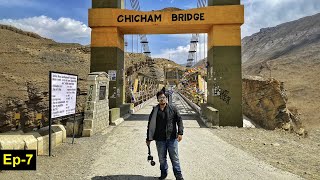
(148, 142)
(179, 138)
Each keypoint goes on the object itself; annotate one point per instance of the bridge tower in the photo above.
(221, 20)
(107, 53)
(224, 69)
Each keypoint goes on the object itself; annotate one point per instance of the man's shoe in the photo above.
(163, 176)
(179, 178)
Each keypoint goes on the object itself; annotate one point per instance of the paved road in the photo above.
(202, 154)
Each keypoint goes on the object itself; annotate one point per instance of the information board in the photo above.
(112, 75)
(63, 94)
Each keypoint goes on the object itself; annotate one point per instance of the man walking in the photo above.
(162, 127)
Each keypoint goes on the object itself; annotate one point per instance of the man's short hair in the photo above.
(160, 93)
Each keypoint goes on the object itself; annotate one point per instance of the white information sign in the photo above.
(63, 94)
(112, 75)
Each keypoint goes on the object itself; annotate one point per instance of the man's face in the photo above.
(162, 99)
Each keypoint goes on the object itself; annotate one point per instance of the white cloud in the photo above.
(180, 36)
(201, 51)
(180, 53)
(258, 14)
(189, 6)
(268, 13)
(61, 30)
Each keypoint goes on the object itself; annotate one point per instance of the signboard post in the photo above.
(62, 97)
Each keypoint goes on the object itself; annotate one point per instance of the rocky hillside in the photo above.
(170, 9)
(265, 103)
(25, 61)
(162, 63)
(286, 39)
(290, 53)
(139, 59)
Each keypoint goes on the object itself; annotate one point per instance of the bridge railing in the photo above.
(140, 97)
(194, 96)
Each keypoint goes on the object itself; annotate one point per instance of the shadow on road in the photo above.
(138, 117)
(185, 117)
(123, 177)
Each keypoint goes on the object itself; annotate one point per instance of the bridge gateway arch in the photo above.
(221, 20)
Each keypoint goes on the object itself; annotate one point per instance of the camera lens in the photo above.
(153, 163)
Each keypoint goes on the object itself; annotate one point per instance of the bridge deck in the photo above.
(202, 154)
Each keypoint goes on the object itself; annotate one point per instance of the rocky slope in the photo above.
(290, 38)
(290, 53)
(25, 61)
(265, 103)
(136, 63)
(170, 9)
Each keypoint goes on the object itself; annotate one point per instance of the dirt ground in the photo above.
(279, 148)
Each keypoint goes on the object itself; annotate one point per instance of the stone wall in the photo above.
(97, 104)
(32, 108)
(35, 140)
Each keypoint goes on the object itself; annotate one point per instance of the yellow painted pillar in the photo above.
(107, 53)
(224, 73)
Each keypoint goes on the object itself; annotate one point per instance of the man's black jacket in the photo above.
(173, 120)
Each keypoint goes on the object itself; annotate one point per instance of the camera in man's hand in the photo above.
(150, 158)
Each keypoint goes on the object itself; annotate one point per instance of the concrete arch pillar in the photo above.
(107, 53)
(224, 70)
(221, 20)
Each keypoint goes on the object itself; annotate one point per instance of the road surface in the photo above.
(202, 154)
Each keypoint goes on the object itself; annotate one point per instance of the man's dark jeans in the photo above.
(171, 146)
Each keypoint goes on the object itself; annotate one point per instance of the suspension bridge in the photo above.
(206, 96)
(216, 88)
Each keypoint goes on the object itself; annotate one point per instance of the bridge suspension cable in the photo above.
(135, 5)
(194, 41)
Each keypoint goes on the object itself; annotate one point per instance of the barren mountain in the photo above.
(25, 61)
(289, 52)
(170, 9)
(162, 63)
(290, 38)
(159, 64)
(27, 58)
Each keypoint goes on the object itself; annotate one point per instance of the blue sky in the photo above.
(67, 20)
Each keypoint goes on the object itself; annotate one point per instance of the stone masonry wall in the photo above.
(97, 104)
